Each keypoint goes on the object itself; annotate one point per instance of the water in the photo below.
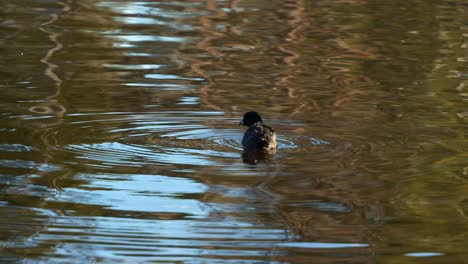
(118, 136)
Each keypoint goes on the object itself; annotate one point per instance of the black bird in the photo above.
(258, 136)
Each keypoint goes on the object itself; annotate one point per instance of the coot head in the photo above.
(250, 118)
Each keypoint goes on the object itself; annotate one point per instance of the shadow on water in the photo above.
(118, 136)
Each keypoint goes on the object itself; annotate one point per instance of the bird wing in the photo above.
(259, 136)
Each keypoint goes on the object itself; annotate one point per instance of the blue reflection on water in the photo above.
(142, 193)
(322, 245)
(136, 37)
(149, 9)
(189, 100)
(135, 67)
(424, 254)
(28, 164)
(171, 77)
(118, 154)
(15, 148)
(153, 21)
(162, 86)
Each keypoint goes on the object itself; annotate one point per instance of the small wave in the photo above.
(110, 154)
(15, 148)
(28, 164)
(177, 138)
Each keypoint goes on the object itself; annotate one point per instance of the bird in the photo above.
(258, 137)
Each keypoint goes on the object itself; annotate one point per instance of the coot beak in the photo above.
(241, 123)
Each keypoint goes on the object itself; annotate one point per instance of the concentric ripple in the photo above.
(119, 140)
(173, 138)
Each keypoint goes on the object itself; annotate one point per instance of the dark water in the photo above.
(118, 136)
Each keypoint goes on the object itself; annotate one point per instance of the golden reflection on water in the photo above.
(135, 156)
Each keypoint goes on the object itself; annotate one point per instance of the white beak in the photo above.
(241, 123)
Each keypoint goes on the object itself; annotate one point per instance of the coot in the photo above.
(258, 136)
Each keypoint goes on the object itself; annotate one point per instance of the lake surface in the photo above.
(119, 140)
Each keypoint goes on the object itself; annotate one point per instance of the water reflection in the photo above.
(118, 136)
(135, 67)
(254, 157)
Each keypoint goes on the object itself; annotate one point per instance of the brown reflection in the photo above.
(347, 72)
(310, 70)
(296, 21)
(255, 157)
(52, 106)
(205, 45)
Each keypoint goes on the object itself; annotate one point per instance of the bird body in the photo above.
(258, 136)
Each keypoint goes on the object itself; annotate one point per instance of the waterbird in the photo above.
(258, 137)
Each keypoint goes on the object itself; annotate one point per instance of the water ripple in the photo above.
(115, 154)
(15, 148)
(141, 169)
(136, 37)
(162, 139)
(148, 8)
